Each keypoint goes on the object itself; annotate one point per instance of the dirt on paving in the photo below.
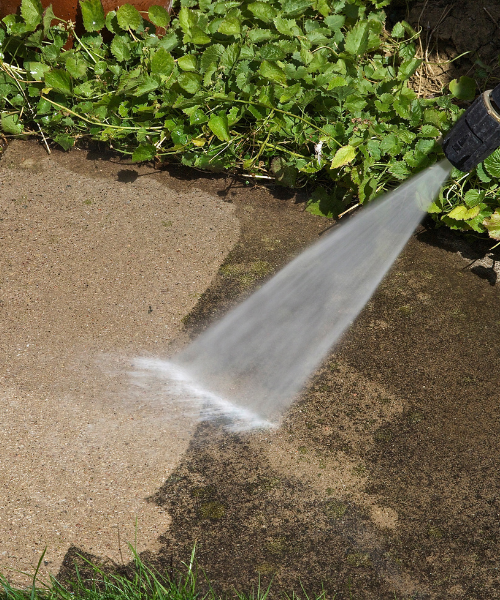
(382, 481)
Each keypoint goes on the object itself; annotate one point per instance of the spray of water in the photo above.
(252, 363)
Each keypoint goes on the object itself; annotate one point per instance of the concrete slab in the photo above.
(98, 263)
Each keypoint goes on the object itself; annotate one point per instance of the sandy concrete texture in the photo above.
(99, 263)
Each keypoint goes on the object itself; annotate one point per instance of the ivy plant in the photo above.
(312, 92)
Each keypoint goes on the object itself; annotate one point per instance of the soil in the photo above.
(459, 37)
(382, 481)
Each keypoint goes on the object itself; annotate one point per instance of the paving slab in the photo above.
(99, 262)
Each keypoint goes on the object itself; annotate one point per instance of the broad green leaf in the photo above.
(429, 131)
(492, 164)
(462, 213)
(92, 14)
(295, 8)
(324, 204)
(272, 52)
(158, 16)
(356, 40)
(481, 173)
(335, 22)
(399, 169)
(120, 48)
(398, 31)
(162, 62)
(210, 56)
(435, 117)
(59, 81)
(65, 140)
(409, 68)
(220, 127)
(290, 92)
(48, 17)
(285, 174)
(188, 62)
(76, 66)
(463, 88)
(145, 85)
(336, 81)
(187, 19)
(343, 156)
(128, 17)
(271, 71)
(434, 208)
(190, 82)
(287, 27)
(198, 36)
(263, 11)
(112, 22)
(143, 153)
(231, 25)
(473, 198)
(36, 69)
(31, 11)
(11, 124)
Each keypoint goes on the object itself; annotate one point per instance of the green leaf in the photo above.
(335, 22)
(48, 17)
(398, 31)
(190, 82)
(462, 213)
(356, 40)
(231, 25)
(65, 140)
(76, 66)
(59, 81)
(463, 88)
(481, 173)
(120, 48)
(210, 56)
(31, 11)
(143, 153)
(188, 62)
(158, 16)
(399, 169)
(92, 14)
(429, 131)
(343, 156)
(162, 62)
(474, 197)
(220, 127)
(263, 11)
(36, 69)
(492, 164)
(295, 8)
(271, 71)
(272, 52)
(287, 27)
(11, 124)
(409, 68)
(284, 173)
(128, 17)
(111, 22)
(324, 204)
(198, 36)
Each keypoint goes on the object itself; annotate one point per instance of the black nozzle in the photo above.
(476, 134)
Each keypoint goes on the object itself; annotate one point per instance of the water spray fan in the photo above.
(476, 134)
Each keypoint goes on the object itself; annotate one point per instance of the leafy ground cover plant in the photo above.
(304, 91)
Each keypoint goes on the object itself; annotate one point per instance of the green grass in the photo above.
(140, 583)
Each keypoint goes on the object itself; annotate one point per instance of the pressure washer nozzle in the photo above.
(476, 134)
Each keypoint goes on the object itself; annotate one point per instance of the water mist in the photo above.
(252, 363)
